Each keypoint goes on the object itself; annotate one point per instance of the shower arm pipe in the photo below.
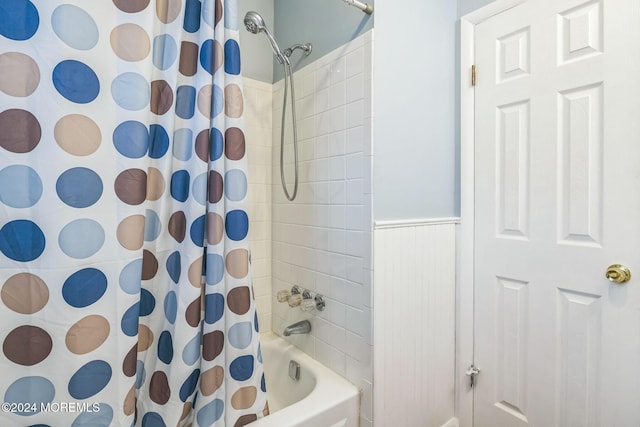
(365, 7)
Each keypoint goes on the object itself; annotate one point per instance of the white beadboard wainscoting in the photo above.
(414, 326)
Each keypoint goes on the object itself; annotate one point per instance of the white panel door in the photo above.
(557, 200)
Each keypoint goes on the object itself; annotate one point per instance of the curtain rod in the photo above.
(365, 7)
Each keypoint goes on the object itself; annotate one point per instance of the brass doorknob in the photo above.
(619, 274)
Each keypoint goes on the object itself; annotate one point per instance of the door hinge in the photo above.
(472, 373)
(473, 75)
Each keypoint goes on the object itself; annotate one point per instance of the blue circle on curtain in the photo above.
(165, 347)
(147, 302)
(141, 374)
(81, 238)
(230, 15)
(213, 308)
(182, 144)
(36, 390)
(210, 413)
(131, 91)
(199, 189)
(20, 186)
(215, 269)
(235, 185)
(185, 102)
(217, 144)
(76, 81)
(206, 56)
(241, 369)
(231, 57)
(90, 379)
(263, 384)
(153, 419)
(180, 185)
(82, 35)
(237, 225)
(208, 12)
(99, 418)
(189, 386)
(79, 187)
(240, 335)
(84, 287)
(217, 101)
(158, 141)
(174, 266)
(131, 277)
(165, 51)
(197, 231)
(129, 322)
(131, 139)
(152, 225)
(20, 19)
(171, 307)
(191, 351)
(21, 240)
(192, 16)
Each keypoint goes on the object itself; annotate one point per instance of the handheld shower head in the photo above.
(255, 24)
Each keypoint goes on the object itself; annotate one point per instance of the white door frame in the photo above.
(465, 294)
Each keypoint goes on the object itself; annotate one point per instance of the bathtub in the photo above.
(321, 398)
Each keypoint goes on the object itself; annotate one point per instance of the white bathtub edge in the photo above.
(337, 394)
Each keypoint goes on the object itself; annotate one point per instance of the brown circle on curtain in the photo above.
(131, 6)
(237, 263)
(129, 362)
(215, 228)
(233, 102)
(188, 65)
(178, 226)
(129, 405)
(159, 390)
(27, 345)
(245, 419)
(168, 10)
(130, 233)
(25, 293)
(131, 186)
(161, 97)
(77, 134)
(149, 265)
(203, 145)
(186, 410)
(218, 12)
(145, 338)
(211, 380)
(239, 299)
(155, 184)
(21, 131)
(244, 398)
(216, 187)
(87, 334)
(234, 147)
(195, 273)
(212, 345)
(218, 55)
(192, 313)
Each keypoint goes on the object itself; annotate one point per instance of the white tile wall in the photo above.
(323, 240)
(258, 132)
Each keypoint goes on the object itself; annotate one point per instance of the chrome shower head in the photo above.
(255, 24)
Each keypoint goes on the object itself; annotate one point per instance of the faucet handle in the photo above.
(283, 296)
(295, 300)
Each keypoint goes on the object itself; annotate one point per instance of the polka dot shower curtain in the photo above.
(124, 262)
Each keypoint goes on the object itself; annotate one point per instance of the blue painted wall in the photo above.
(415, 172)
(466, 6)
(255, 53)
(326, 24)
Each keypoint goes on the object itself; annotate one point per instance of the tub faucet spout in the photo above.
(302, 327)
